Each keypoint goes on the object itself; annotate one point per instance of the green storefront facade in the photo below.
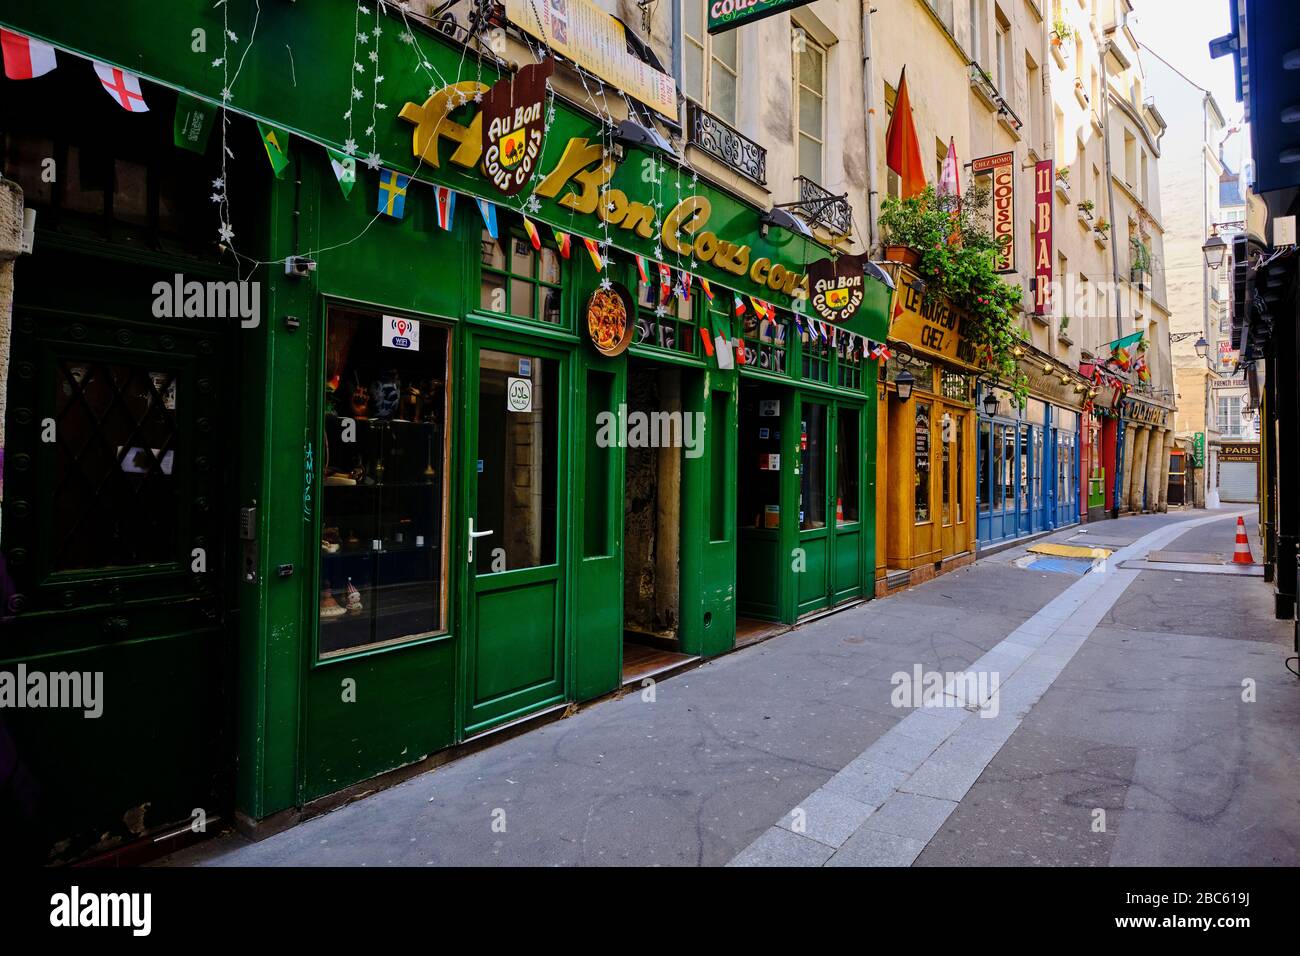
(415, 533)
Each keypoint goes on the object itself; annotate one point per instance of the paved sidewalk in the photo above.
(1139, 716)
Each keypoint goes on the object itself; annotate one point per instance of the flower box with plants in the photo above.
(1086, 207)
(957, 262)
(1061, 31)
(1063, 182)
(1139, 261)
(1080, 93)
(981, 81)
(1063, 331)
(1101, 232)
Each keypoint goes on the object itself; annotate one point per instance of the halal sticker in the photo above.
(514, 127)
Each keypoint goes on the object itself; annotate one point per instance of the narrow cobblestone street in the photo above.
(1129, 703)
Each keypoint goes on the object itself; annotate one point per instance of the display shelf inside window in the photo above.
(850, 354)
(383, 494)
(766, 338)
(957, 387)
(666, 324)
(518, 279)
(817, 351)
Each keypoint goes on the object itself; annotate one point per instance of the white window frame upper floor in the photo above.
(801, 40)
(697, 42)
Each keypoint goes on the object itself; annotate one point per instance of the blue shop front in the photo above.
(1029, 456)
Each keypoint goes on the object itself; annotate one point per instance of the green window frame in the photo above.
(518, 280)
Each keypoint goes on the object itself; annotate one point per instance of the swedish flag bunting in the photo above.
(392, 193)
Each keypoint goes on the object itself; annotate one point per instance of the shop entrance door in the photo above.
(765, 415)
(514, 530)
(954, 513)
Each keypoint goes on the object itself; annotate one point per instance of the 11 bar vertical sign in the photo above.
(1043, 176)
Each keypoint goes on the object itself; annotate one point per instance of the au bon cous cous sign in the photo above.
(726, 15)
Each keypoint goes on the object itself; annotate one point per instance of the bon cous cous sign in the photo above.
(728, 14)
(579, 181)
(1002, 168)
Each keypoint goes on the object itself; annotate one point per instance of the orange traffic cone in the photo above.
(1241, 554)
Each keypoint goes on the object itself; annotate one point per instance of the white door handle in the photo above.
(472, 535)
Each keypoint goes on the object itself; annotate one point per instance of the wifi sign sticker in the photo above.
(400, 334)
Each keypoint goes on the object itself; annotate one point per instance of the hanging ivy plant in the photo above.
(963, 271)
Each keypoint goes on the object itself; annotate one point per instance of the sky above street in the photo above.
(1179, 31)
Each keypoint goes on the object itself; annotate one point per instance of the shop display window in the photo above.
(383, 504)
(816, 356)
(985, 463)
(812, 467)
(848, 361)
(922, 454)
(516, 278)
(961, 468)
(765, 341)
(848, 463)
(945, 479)
(758, 488)
(665, 322)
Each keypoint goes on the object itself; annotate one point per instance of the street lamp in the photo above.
(1202, 347)
(904, 382)
(1215, 249)
(990, 403)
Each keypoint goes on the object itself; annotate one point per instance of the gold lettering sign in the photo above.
(580, 181)
(931, 327)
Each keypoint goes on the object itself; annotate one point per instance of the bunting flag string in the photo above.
(708, 290)
(665, 283)
(594, 251)
(392, 193)
(562, 240)
(276, 142)
(640, 270)
(739, 306)
(25, 58)
(345, 170)
(489, 213)
(534, 236)
(446, 203)
(123, 87)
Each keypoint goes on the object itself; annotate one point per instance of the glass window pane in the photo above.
(550, 269)
(517, 461)
(984, 465)
(810, 67)
(492, 254)
(521, 298)
(1024, 467)
(1009, 467)
(945, 480)
(812, 468)
(550, 305)
(383, 513)
(848, 464)
(922, 454)
(810, 114)
(521, 257)
(693, 71)
(810, 158)
(961, 468)
(492, 293)
(722, 93)
(723, 47)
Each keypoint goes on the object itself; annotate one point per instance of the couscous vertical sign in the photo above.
(1001, 167)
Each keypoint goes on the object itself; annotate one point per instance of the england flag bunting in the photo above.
(25, 58)
(124, 87)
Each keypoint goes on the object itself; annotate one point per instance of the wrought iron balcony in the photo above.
(726, 144)
(823, 208)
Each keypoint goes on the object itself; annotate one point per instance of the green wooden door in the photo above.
(831, 548)
(514, 529)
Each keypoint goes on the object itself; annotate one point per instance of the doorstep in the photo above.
(1020, 542)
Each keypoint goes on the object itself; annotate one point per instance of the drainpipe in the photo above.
(868, 121)
(677, 43)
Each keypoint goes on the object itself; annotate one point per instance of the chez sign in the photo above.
(580, 182)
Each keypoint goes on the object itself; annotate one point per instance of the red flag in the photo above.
(902, 148)
(706, 339)
(534, 236)
(124, 87)
(640, 269)
(25, 58)
(740, 307)
(562, 240)
(594, 251)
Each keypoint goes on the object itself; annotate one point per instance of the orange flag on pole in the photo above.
(902, 148)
